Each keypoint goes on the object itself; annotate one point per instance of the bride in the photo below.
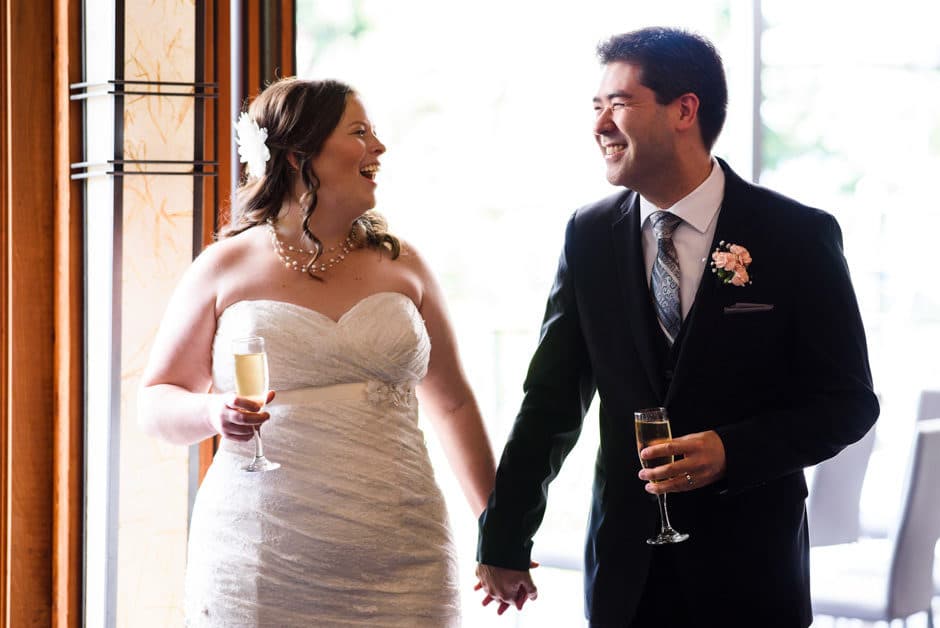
(351, 529)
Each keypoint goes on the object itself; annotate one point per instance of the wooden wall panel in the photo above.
(253, 49)
(4, 320)
(40, 306)
(68, 435)
(286, 28)
(26, 72)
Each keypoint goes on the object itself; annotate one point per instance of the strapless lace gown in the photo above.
(352, 529)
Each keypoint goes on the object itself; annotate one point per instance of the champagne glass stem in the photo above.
(666, 532)
(260, 463)
(259, 446)
(664, 525)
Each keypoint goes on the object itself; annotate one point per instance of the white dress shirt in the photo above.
(692, 237)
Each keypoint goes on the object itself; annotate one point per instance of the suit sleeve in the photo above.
(832, 403)
(558, 390)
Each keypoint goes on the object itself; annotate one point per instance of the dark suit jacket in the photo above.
(784, 388)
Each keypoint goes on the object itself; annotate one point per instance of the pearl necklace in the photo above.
(312, 267)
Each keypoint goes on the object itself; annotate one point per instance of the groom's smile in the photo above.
(613, 149)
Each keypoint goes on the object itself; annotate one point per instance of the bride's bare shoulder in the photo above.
(411, 257)
(220, 261)
(224, 253)
(419, 270)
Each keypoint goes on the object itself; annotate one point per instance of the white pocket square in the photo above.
(748, 308)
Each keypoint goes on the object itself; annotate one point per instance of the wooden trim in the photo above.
(29, 225)
(215, 63)
(286, 28)
(4, 323)
(207, 449)
(68, 365)
(254, 50)
(223, 136)
(218, 146)
(219, 122)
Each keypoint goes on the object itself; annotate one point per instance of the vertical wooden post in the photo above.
(27, 388)
(68, 434)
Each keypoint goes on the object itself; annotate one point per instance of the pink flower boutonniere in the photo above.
(730, 262)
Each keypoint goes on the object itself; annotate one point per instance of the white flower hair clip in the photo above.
(252, 149)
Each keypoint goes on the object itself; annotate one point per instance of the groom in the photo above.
(726, 303)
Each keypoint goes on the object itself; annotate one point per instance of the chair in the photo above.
(929, 406)
(836, 491)
(892, 578)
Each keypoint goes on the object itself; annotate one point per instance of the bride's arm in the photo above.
(173, 401)
(448, 400)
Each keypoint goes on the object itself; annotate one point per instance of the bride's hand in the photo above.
(488, 579)
(236, 417)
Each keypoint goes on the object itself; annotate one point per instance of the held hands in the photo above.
(703, 462)
(507, 586)
(236, 417)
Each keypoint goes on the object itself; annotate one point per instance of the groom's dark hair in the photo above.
(674, 62)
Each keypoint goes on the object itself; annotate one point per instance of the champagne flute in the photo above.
(652, 428)
(251, 382)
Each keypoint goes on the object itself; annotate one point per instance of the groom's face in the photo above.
(632, 130)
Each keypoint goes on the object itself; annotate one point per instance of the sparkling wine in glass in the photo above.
(251, 382)
(652, 428)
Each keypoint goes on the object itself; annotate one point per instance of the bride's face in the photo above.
(349, 161)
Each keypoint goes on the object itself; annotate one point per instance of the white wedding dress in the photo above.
(352, 529)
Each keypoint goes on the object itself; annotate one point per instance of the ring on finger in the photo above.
(689, 479)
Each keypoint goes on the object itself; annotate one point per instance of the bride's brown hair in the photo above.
(299, 116)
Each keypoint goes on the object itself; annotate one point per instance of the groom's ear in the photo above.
(687, 110)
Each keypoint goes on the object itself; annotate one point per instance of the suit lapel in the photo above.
(706, 309)
(634, 291)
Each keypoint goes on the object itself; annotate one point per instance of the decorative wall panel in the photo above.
(157, 247)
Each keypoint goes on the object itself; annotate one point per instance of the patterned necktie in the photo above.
(664, 282)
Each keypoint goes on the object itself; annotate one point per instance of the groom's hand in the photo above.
(702, 462)
(506, 586)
